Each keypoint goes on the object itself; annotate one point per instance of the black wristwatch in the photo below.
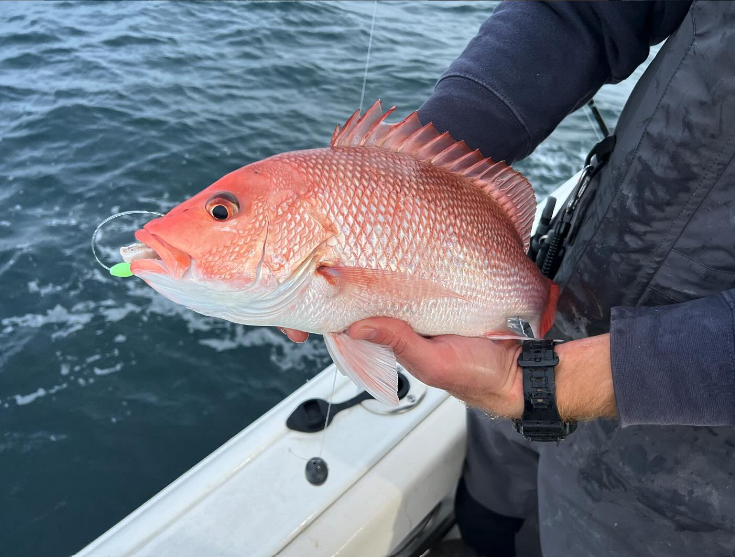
(541, 420)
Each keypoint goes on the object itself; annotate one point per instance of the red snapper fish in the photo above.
(394, 220)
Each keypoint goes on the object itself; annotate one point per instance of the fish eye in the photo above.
(220, 212)
(222, 205)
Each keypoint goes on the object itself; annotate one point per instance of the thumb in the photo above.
(416, 353)
(397, 335)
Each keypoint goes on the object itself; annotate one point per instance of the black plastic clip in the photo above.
(311, 415)
(553, 235)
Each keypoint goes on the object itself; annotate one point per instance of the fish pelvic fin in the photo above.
(370, 366)
(508, 188)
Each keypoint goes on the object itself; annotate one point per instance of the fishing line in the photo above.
(108, 219)
(588, 113)
(296, 455)
(329, 408)
(362, 100)
(367, 60)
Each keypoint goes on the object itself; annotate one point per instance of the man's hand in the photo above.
(485, 373)
(482, 372)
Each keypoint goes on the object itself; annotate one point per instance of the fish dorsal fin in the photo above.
(508, 187)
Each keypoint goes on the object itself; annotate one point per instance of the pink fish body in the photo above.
(390, 220)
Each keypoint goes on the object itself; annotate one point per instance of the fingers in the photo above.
(389, 332)
(294, 335)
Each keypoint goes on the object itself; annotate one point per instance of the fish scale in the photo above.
(479, 268)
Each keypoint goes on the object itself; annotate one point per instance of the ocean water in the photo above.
(108, 392)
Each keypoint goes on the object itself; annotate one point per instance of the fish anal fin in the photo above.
(369, 282)
(370, 366)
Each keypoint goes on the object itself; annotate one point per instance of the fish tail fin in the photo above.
(547, 319)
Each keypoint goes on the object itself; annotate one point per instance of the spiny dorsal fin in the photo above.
(508, 187)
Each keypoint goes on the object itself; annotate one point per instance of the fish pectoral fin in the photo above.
(362, 282)
(370, 366)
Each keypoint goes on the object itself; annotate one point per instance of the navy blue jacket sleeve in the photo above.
(532, 63)
(675, 365)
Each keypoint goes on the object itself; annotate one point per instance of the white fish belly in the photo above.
(318, 313)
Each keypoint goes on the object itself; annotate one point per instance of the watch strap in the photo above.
(541, 420)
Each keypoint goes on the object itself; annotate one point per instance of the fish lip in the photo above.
(173, 262)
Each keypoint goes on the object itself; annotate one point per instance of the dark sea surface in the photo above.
(108, 391)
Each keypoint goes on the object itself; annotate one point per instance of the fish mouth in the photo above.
(154, 255)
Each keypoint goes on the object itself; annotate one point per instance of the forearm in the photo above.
(532, 63)
(584, 383)
(583, 378)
